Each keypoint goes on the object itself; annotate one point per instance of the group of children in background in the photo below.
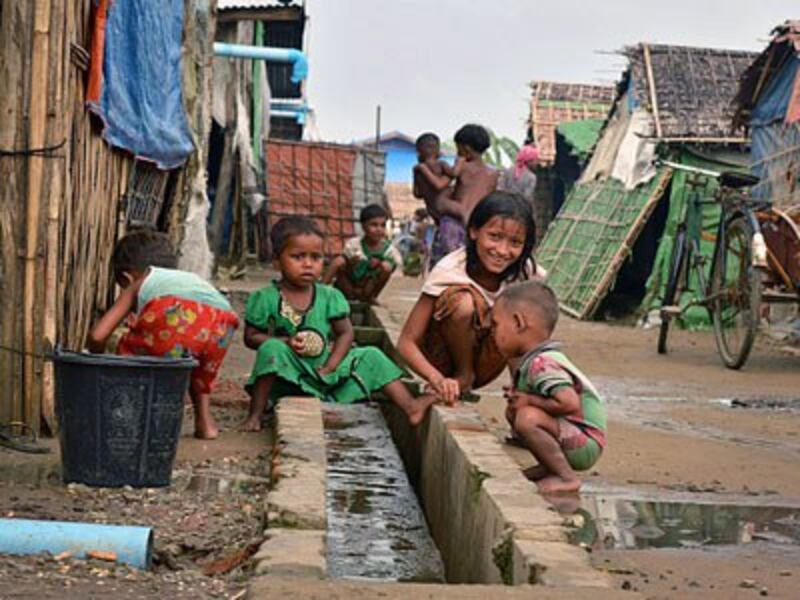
(483, 308)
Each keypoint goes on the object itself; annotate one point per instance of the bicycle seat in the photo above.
(732, 179)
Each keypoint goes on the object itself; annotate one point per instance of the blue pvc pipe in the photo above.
(132, 545)
(283, 55)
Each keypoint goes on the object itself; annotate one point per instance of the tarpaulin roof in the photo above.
(553, 103)
(135, 82)
(581, 135)
(776, 59)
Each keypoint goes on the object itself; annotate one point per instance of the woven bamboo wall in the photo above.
(59, 209)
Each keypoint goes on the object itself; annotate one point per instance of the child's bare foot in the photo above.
(417, 410)
(536, 472)
(206, 433)
(553, 484)
(205, 428)
(252, 423)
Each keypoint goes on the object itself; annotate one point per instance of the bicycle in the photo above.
(732, 292)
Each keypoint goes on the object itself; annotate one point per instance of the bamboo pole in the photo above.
(652, 85)
(55, 198)
(37, 115)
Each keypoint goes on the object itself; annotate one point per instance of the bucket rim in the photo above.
(115, 360)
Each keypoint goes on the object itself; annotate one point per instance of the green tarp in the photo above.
(683, 186)
(581, 135)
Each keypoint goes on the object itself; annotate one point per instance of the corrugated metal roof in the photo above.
(257, 4)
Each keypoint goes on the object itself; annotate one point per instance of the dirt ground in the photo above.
(206, 524)
(679, 424)
(672, 431)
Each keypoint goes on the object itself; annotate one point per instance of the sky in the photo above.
(437, 64)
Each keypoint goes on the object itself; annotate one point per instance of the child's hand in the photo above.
(447, 389)
(374, 262)
(297, 344)
(325, 369)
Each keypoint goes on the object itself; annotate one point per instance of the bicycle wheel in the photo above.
(676, 265)
(736, 293)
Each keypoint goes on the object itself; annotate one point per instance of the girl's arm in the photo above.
(123, 305)
(343, 329)
(410, 347)
(254, 337)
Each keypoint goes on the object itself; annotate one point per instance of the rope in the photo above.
(44, 151)
(23, 352)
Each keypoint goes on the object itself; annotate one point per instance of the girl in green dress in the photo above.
(303, 336)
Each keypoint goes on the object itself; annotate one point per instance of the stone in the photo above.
(292, 553)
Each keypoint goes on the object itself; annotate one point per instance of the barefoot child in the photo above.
(175, 313)
(447, 338)
(291, 324)
(364, 269)
(474, 181)
(553, 408)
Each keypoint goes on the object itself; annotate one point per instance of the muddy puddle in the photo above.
(618, 523)
(376, 529)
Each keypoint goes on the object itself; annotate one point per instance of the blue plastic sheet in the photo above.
(774, 101)
(141, 101)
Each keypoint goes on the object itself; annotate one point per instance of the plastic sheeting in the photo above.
(137, 92)
(774, 101)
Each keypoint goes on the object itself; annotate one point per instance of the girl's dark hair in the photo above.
(506, 206)
(142, 249)
(288, 227)
(372, 211)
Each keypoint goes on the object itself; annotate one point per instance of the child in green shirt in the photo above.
(553, 408)
(303, 336)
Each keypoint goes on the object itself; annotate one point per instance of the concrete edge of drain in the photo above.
(529, 541)
(295, 511)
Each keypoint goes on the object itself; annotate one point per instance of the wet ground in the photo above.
(698, 491)
(376, 528)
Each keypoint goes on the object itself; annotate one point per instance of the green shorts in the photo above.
(581, 450)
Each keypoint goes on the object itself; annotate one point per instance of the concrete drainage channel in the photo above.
(486, 520)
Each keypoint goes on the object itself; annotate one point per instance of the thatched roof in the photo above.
(689, 90)
(553, 103)
(785, 44)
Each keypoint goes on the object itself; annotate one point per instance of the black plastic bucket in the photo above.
(119, 417)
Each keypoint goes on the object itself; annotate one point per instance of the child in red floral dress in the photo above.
(174, 313)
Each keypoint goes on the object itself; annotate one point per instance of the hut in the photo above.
(553, 103)
(768, 105)
(253, 101)
(608, 249)
(73, 183)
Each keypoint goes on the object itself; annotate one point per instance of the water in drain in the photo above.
(376, 529)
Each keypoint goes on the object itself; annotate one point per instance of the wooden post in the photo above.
(37, 115)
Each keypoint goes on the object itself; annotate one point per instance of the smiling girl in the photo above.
(447, 338)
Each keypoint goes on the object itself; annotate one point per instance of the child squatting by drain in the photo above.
(553, 408)
(303, 337)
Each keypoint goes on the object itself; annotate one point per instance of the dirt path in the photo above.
(672, 430)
